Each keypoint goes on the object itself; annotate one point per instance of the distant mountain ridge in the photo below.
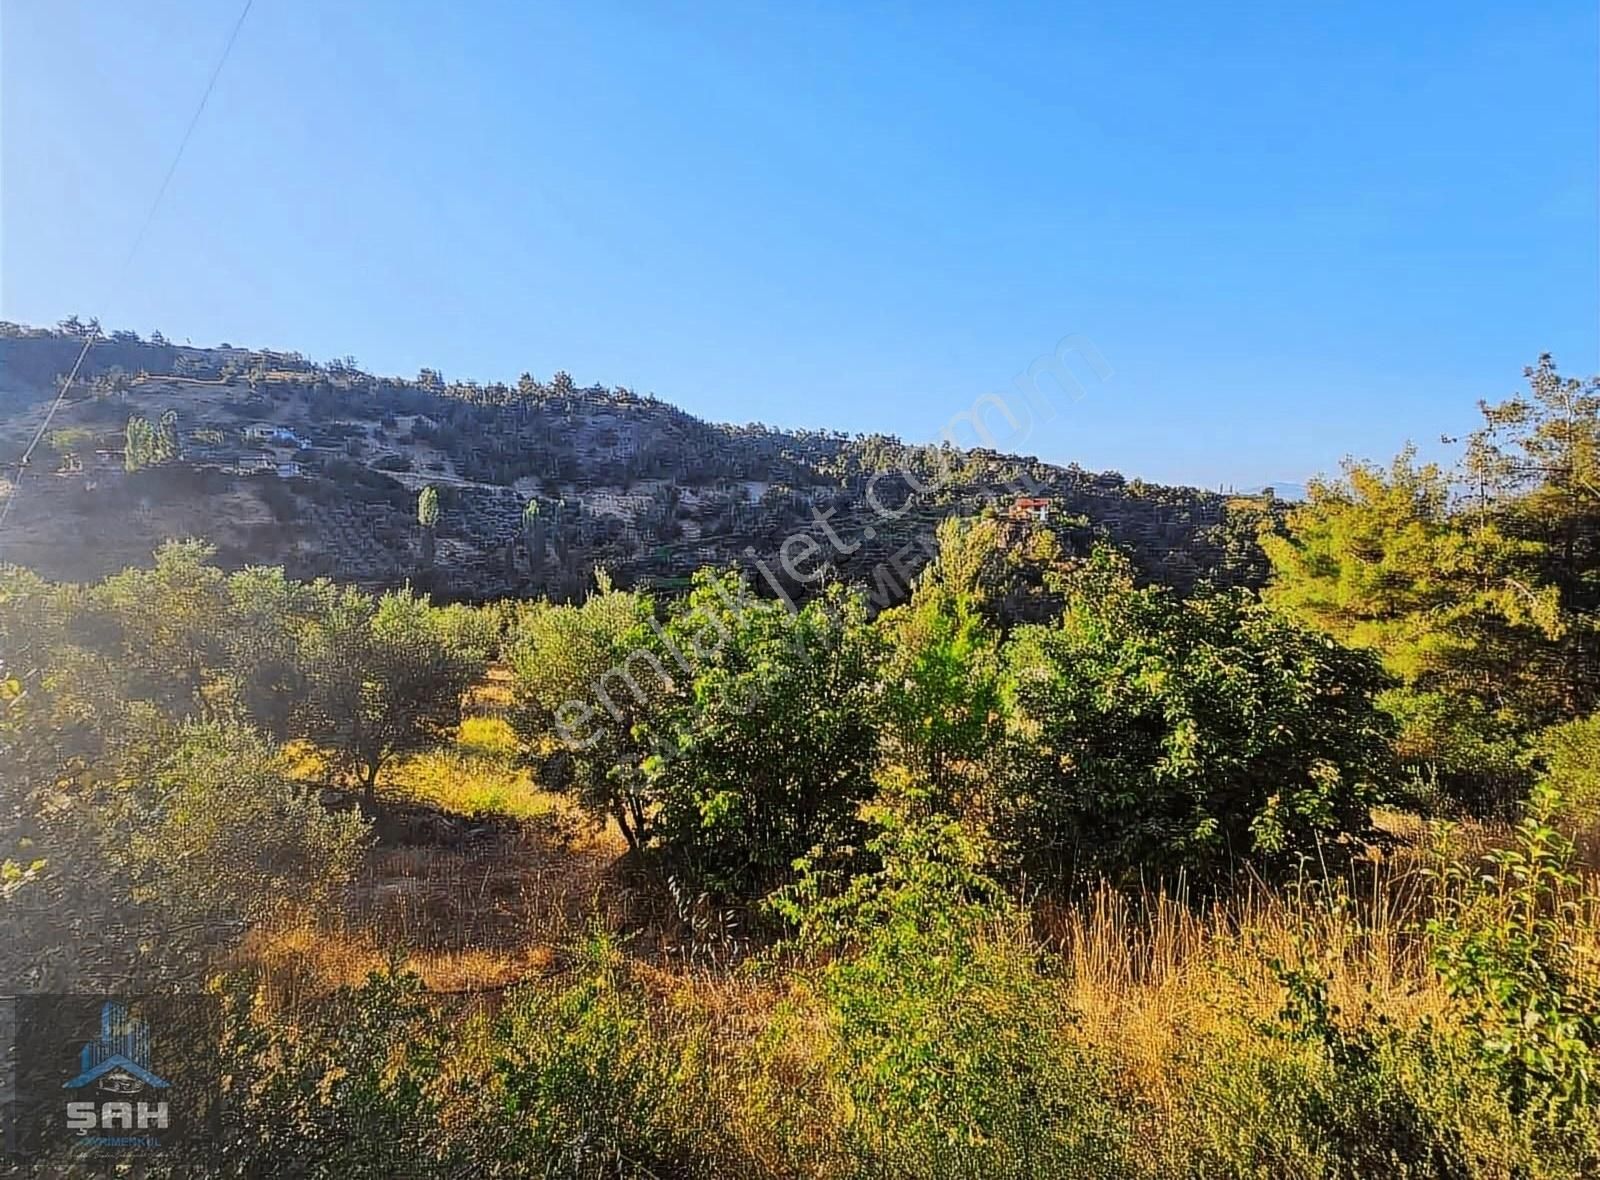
(276, 459)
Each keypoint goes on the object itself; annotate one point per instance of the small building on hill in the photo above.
(270, 432)
(1036, 508)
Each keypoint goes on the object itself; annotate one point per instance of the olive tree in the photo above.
(583, 678)
(383, 677)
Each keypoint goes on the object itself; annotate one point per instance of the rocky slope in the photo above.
(279, 460)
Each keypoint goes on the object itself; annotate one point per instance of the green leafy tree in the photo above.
(769, 746)
(143, 852)
(941, 674)
(475, 632)
(167, 626)
(428, 518)
(428, 507)
(1151, 735)
(382, 678)
(165, 441)
(213, 829)
(140, 444)
(151, 446)
(533, 536)
(268, 614)
(584, 679)
(1569, 755)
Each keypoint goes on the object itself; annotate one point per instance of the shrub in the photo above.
(582, 680)
(587, 1082)
(216, 831)
(357, 1087)
(1502, 946)
(1571, 756)
(941, 673)
(1155, 736)
(946, 1042)
(767, 748)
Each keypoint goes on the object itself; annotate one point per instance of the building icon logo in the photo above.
(119, 1099)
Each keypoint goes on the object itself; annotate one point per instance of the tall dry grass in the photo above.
(1175, 1002)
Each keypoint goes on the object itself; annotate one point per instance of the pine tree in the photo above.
(165, 440)
(140, 445)
(1452, 604)
(1534, 467)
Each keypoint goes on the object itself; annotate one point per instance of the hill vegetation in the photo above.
(317, 467)
(1045, 868)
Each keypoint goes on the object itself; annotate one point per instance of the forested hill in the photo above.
(276, 459)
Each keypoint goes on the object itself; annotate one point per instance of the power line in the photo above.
(116, 281)
(188, 131)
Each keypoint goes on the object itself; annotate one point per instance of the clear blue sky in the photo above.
(1295, 231)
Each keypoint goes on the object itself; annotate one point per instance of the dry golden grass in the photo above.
(1149, 980)
(300, 960)
(1163, 994)
(469, 785)
(488, 912)
(492, 694)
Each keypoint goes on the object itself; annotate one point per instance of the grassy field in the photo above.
(1297, 1030)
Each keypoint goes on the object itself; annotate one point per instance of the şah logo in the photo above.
(125, 1106)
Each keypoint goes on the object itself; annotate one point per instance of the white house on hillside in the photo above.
(270, 432)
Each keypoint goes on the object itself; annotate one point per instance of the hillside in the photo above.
(317, 467)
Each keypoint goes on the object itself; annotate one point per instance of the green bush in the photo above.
(355, 1088)
(767, 747)
(583, 681)
(1502, 947)
(945, 1041)
(1152, 736)
(588, 1083)
(1570, 754)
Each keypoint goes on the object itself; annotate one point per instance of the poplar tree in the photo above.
(428, 518)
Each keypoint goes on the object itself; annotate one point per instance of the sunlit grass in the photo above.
(302, 958)
(468, 785)
(487, 737)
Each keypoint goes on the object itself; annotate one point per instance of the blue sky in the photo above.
(1294, 232)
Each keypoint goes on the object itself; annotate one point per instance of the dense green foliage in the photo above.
(1481, 607)
(142, 793)
(1152, 734)
(562, 654)
(1380, 561)
(907, 814)
(1137, 733)
(941, 1028)
(1502, 946)
(767, 747)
